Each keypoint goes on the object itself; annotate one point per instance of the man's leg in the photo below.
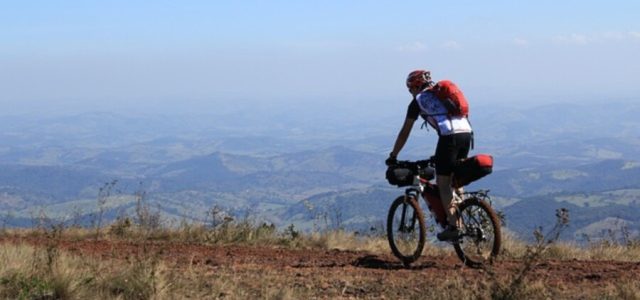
(458, 195)
(448, 151)
(446, 196)
(463, 144)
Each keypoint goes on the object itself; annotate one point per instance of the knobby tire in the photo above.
(478, 213)
(414, 219)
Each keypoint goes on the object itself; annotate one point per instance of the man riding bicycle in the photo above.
(454, 138)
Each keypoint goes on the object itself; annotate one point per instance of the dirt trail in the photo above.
(358, 263)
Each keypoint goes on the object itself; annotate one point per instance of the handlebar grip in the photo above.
(424, 163)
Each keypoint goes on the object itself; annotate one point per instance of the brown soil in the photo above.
(368, 273)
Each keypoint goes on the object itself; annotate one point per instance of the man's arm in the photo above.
(403, 135)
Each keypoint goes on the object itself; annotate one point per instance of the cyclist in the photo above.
(454, 141)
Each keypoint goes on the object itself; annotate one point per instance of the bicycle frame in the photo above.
(431, 196)
(429, 192)
(423, 187)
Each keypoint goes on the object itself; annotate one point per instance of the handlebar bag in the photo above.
(400, 175)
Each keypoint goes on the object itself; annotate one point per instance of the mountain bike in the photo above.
(480, 238)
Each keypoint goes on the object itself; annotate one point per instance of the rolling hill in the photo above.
(275, 168)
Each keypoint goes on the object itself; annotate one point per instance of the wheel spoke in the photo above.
(480, 238)
(406, 229)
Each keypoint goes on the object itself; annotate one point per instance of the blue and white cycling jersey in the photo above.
(436, 114)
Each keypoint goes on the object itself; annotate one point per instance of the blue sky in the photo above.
(109, 55)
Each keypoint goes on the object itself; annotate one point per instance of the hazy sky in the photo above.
(101, 55)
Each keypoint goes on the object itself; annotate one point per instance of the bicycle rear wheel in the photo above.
(406, 229)
(481, 236)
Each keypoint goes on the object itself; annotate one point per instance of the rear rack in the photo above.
(483, 194)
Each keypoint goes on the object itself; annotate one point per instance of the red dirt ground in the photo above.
(357, 264)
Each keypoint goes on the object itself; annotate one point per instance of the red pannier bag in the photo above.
(472, 169)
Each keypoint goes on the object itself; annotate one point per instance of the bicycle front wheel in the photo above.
(406, 229)
(481, 237)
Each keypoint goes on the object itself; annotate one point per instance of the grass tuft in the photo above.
(49, 272)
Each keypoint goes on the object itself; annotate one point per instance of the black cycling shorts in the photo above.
(451, 149)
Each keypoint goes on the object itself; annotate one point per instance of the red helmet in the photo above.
(418, 79)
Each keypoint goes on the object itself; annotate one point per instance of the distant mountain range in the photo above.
(600, 176)
(326, 176)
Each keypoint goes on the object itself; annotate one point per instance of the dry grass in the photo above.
(36, 273)
(24, 274)
(617, 252)
(75, 277)
(602, 250)
(622, 290)
(47, 272)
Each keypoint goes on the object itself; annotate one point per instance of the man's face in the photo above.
(414, 91)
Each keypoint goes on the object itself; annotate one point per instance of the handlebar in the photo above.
(416, 165)
(424, 169)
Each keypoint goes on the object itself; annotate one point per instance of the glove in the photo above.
(391, 161)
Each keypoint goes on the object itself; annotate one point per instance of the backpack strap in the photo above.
(472, 138)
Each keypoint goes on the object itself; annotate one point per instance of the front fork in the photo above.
(406, 227)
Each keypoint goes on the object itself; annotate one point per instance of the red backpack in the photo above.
(452, 98)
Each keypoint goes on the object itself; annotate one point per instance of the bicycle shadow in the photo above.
(374, 262)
